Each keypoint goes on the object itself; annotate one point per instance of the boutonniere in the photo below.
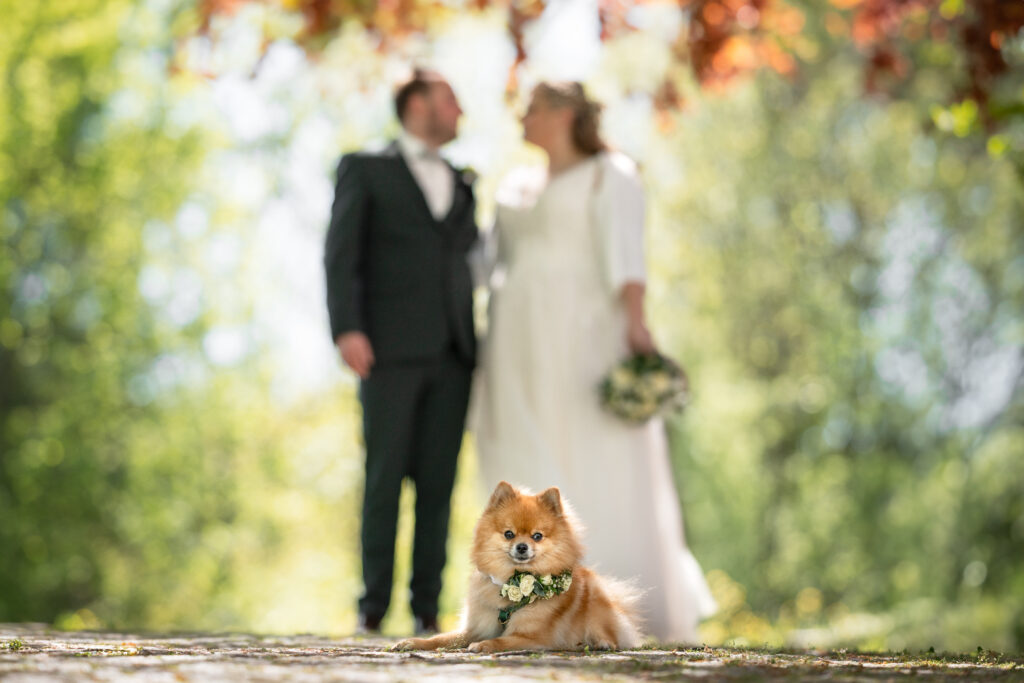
(468, 176)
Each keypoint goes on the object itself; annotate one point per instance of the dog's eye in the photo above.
(537, 536)
(509, 535)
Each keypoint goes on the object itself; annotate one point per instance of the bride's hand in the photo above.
(639, 339)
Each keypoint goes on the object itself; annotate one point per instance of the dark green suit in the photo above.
(401, 277)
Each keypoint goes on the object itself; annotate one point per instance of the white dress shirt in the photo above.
(435, 177)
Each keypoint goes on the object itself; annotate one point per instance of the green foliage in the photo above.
(852, 318)
(80, 443)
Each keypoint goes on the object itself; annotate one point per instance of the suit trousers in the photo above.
(414, 415)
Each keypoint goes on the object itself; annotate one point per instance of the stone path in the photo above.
(33, 653)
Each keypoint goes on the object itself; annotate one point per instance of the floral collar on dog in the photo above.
(523, 588)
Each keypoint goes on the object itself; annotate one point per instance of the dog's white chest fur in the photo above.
(484, 602)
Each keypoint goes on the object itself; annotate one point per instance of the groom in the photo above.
(399, 295)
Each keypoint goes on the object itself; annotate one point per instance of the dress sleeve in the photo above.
(620, 217)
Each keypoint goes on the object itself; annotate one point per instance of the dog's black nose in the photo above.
(521, 548)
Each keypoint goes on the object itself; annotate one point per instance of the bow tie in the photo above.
(430, 155)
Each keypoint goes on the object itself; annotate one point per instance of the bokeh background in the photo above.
(836, 242)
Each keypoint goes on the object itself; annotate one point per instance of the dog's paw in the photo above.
(483, 647)
(409, 644)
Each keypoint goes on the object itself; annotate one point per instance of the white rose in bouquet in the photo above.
(644, 386)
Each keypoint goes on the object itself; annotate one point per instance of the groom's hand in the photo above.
(357, 352)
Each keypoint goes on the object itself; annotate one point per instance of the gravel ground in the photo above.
(33, 653)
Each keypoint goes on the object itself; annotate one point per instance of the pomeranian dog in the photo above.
(529, 590)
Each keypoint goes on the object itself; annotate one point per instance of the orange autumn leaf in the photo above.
(724, 39)
(784, 20)
(836, 25)
(737, 54)
(776, 58)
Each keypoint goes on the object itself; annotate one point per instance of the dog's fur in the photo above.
(595, 611)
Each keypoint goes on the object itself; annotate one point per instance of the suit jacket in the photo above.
(394, 272)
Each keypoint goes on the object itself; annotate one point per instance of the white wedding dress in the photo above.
(563, 249)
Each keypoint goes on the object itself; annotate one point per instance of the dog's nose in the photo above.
(521, 548)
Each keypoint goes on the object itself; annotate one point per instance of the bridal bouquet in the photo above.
(643, 386)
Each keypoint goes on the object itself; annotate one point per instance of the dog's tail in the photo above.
(625, 596)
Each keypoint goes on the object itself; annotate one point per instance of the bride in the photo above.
(570, 250)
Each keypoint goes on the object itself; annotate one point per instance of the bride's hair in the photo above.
(586, 123)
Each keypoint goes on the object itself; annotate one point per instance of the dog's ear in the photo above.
(553, 499)
(503, 492)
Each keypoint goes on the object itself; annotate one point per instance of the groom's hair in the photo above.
(418, 84)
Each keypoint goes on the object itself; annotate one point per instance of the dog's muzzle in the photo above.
(521, 552)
